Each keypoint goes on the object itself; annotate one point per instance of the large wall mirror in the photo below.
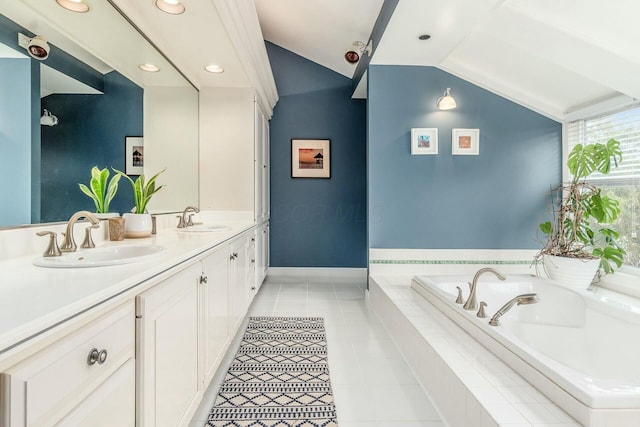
(80, 107)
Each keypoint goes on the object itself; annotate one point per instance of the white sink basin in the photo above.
(205, 228)
(99, 257)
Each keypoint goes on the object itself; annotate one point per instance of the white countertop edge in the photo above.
(179, 248)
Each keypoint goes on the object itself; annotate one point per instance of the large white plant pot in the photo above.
(571, 272)
(137, 225)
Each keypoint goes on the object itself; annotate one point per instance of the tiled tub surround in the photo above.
(469, 384)
(572, 345)
(412, 262)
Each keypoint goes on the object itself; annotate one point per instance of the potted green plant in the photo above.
(101, 190)
(138, 223)
(580, 238)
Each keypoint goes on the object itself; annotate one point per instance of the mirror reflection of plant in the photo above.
(99, 191)
(582, 213)
(142, 191)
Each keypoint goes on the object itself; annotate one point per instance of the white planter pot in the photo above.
(137, 225)
(570, 272)
(107, 215)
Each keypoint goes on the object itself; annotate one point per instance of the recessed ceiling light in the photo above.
(173, 7)
(214, 69)
(424, 37)
(149, 68)
(79, 6)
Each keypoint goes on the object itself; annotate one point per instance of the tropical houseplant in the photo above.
(138, 223)
(101, 190)
(582, 217)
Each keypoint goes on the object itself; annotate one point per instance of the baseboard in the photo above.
(350, 273)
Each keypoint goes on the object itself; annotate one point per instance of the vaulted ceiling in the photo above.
(552, 56)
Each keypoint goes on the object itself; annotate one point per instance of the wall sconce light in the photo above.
(48, 119)
(446, 101)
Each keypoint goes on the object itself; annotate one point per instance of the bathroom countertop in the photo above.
(33, 299)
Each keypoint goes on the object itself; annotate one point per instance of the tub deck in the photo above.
(455, 367)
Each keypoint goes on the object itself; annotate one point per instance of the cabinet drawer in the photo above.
(45, 387)
(112, 404)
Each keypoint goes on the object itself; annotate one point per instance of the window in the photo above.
(622, 182)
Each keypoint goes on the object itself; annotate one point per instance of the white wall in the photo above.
(171, 141)
(227, 149)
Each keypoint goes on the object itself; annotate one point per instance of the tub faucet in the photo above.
(69, 243)
(183, 222)
(519, 300)
(472, 302)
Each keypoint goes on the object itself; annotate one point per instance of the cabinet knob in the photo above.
(93, 356)
(235, 255)
(204, 279)
(253, 261)
(102, 357)
(97, 356)
(253, 288)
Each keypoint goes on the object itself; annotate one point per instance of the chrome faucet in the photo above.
(183, 222)
(472, 302)
(69, 243)
(519, 300)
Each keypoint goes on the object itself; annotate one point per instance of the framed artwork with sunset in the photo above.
(310, 158)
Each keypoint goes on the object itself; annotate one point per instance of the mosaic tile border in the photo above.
(451, 262)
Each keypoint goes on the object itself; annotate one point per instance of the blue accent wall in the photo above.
(91, 131)
(491, 201)
(15, 141)
(317, 222)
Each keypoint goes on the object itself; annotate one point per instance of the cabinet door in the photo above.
(251, 283)
(112, 404)
(258, 162)
(215, 308)
(261, 254)
(47, 386)
(265, 248)
(237, 282)
(265, 170)
(167, 352)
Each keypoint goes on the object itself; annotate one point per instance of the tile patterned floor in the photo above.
(372, 384)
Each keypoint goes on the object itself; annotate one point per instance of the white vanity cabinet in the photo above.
(184, 327)
(145, 358)
(240, 296)
(227, 288)
(262, 253)
(86, 375)
(169, 387)
(234, 152)
(216, 326)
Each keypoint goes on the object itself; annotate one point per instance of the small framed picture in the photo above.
(134, 155)
(465, 142)
(424, 141)
(310, 158)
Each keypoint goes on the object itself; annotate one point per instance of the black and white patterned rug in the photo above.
(279, 377)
